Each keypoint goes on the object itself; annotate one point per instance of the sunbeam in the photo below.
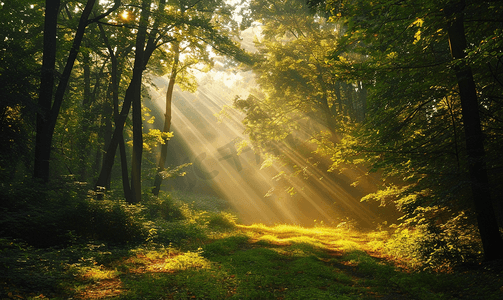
(211, 145)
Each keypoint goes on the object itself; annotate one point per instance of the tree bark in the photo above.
(45, 129)
(132, 97)
(42, 141)
(114, 107)
(86, 114)
(136, 104)
(137, 146)
(167, 118)
(492, 241)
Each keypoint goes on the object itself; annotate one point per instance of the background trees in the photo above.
(410, 90)
(92, 52)
(418, 118)
(303, 106)
(419, 103)
(50, 108)
(388, 80)
(20, 42)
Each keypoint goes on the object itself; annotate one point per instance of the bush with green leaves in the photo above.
(66, 212)
(437, 246)
(112, 221)
(38, 214)
(60, 214)
(222, 221)
(163, 207)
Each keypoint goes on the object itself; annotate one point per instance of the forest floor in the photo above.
(246, 262)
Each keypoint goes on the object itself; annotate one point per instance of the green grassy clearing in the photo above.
(192, 253)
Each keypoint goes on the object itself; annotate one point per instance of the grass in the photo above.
(200, 254)
(251, 262)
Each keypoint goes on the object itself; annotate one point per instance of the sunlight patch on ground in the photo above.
(186, 261)
(102, 289)
(327, 238)
(256, 244)
(97, 273)
(101, 283)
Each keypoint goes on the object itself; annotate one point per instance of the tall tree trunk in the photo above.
(167, 119)
(42, 141)
(83, 140)
(136, 105)
(330, 117)
(114, 107)
(132, 97)
(491, 239)
(106, 131)
(45, 129)
(137, 147)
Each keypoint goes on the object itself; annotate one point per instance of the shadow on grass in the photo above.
(252, 262)
(241, 267)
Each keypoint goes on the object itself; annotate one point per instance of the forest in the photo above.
(251, 149)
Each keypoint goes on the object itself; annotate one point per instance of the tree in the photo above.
(43, 139)
(167, 118)
(49, 107)
(192, 43)
(117, 59)
(302, 104)
(474, 137)
(420, 96)
(132, 98)
(165, 19)
(20, 44)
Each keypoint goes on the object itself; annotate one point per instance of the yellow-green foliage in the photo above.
(441, 246)
(223, 220)
(327, 238)
(186, 261)
(95, 273)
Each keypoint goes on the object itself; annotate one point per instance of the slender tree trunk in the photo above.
(137, 147)
(114, 92)
(124, 172)
(132, 97)
(330, 117)
(362, 102)
(46, 128)
(86, 107)
(136, 105)
(42, 141)
(491, 238)
(348, 103)
(337, 87)
(167, 119)
(106, 126)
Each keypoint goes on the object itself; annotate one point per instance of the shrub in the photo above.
(177, 233)
(163, 207)
(112, 221)
(442, 246)
(59, 214)
(38, 214)
(223, 220)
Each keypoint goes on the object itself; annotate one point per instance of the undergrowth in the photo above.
(69, 245)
